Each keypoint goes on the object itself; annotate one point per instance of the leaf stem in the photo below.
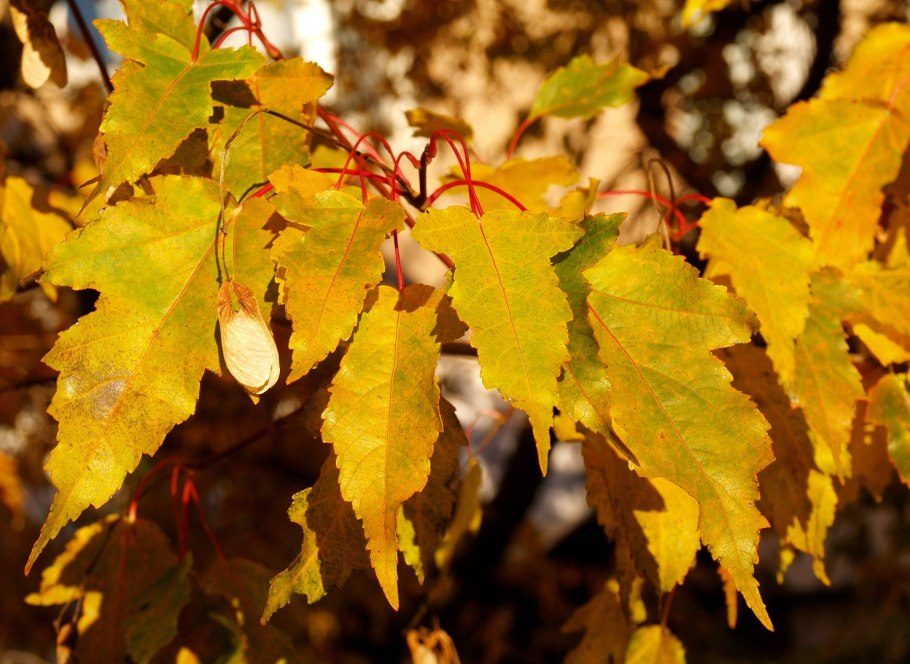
(527, 122)
(478, 183)
(398, 270)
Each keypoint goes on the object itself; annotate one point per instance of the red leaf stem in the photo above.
(478, 183)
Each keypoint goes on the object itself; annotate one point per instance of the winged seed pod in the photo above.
(246, 340)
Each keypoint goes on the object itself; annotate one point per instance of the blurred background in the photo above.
(539, 554)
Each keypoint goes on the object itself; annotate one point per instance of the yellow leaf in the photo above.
(130, 370)
(695, 11)
(654, 644)
(606, 629)
(326, 272)
(28, 230)
(771, 275)
(383, 416)
(655, 521)
(11, 490)
(656, 322)
(527, 180)
(827, 384)
(811, 536)
(880, 345)
(507, 292)
(730, 596)
(333, 544)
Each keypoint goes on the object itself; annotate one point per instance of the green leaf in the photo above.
(656, 322)
(507, 292)
(771, 275)
(582, 89)
(326, 272)
(27, 233)
(153, 623)
(333, 543)
(584, 391)
(266, 142)
(106, 568)
(889, 406)
(383, 416)
(130, 370)
(160, 94)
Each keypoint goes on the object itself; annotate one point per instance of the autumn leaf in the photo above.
(333, 543)
(696, 10)
(796, 497)
(266, 142)
(130, 370)
(153, 621)
(507, 292)
(383, 416)
(656, 322)
(606, 628)
(11, 493)
(161, 95)
(655, 521)
(527, 180)
(584, 390)
(772, 276)
(28, 230)
(582, 89)
(884, 294)
(467, 517)
(425, 122)
(654, 644)
(242, 584)
(850, 143)
(425, 515)
(826, 384)
(326, 272)
(889, 407)
(106, 568)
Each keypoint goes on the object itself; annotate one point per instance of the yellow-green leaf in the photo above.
(507, 292)
(606, 629)
(383, 416)
(654, 644)
(160, 95)
(769, 263)
(889, 406)
(290, 87)
(27, 233)
(582, 89)
(528, 181)
(130, 370)
(326, 272)
(656, 322)
(106, 568)
(584, 391)
(884, 294)
(333, 543)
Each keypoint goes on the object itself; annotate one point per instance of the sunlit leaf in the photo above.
(160, 95)
(130, 370)
(696, 10)
(582, 89)
(383, 416)
(326, 272)
(656, 322)
(507, 292)
(889, 406)
(654, 644)
(526, 180)
(606, 629)
(772, 276)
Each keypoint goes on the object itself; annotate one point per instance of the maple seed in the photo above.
(246, 340)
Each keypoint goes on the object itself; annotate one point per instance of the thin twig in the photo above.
(93, 47)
